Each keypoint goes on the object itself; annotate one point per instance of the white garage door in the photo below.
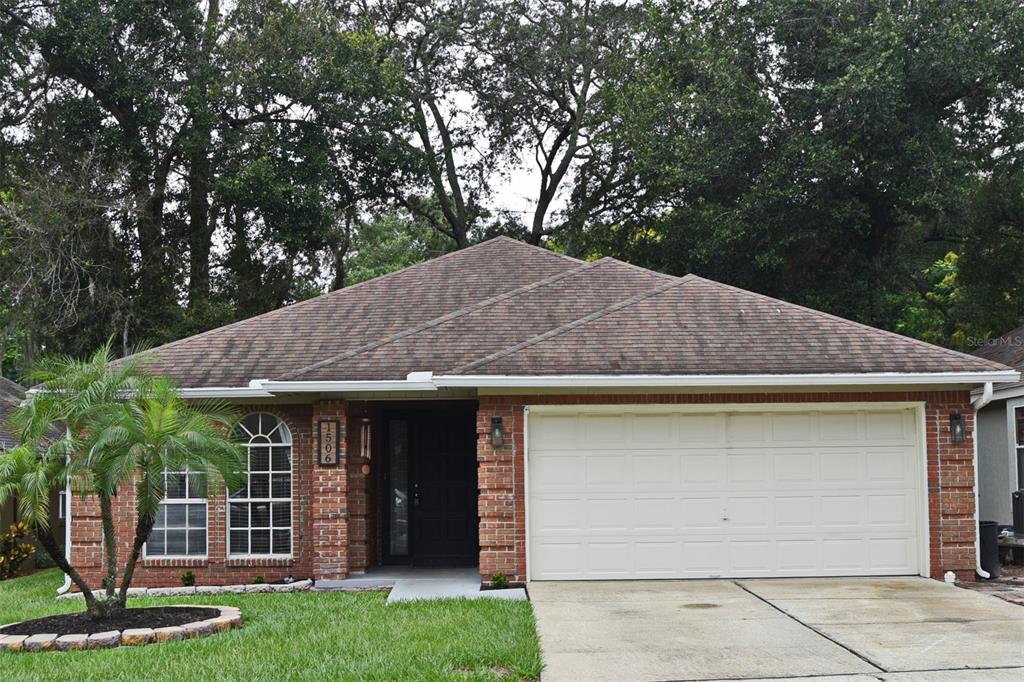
(669, 492)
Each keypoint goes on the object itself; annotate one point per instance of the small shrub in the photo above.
(499, 581)
(258, 580)
(14, 550)
(44, 560)
(188, 579)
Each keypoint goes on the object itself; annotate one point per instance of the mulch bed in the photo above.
(80, 624)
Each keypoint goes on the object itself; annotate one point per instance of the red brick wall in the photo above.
(330, 535)
(217, 568)
(361, 511)
(950, 470)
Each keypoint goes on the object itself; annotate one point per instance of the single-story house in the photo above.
(11, 395)
(545, 418)
(1001, 433)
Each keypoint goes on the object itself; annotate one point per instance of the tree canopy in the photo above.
(169, 167)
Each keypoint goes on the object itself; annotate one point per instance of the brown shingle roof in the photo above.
(1007, 349)
(491, 325)
(299, 335)
(703, 327)
(503, 307)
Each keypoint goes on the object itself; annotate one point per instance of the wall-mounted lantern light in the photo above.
(497, 432)
(365, 451)
(958, 427)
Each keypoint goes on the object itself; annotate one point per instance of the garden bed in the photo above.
(134, 627)
(81, 624)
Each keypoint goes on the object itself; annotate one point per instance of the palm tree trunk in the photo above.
(110, 541)
(142, 530)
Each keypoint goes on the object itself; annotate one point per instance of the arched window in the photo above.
(260, 512)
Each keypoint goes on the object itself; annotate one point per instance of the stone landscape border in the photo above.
(297, 586)
(230, 618)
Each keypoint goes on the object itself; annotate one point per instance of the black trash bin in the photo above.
(988, 537)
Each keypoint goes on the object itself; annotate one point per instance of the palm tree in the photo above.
(124, 428)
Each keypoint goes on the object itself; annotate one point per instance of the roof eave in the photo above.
(715, 380)
(427, 382)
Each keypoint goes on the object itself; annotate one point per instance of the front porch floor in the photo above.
(409, 583)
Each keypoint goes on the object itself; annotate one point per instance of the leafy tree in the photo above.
(124, 429)
(541, 73)
(826, 153)
(390, 242)
(260, 120)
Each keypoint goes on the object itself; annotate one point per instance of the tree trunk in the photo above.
(200, 236)
(142, 530)
(110, 542)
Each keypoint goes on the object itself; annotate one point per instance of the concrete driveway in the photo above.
(850, 630)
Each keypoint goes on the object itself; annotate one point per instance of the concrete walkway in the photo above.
(842, 630)
(411, 584)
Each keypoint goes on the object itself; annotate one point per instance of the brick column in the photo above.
(360, 472)
(950, 487)
(501, 503)
(330, 500)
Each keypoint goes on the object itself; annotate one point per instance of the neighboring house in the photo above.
(11, 395)
(1001, 434)
(534, 415)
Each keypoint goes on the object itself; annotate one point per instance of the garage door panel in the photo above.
(609, 515)
(556, 515)
(890, 510)
(798, 555)
(656, 514)
(700, 468)
(891, 553)
(795, 468)
(841, 427)
(744, 513)
(839, 511)
(696, 430)
(557, 432)
(556, 470)
(608, 470)
(605, 431)
(840, 466)
(702, 512)
(655, 430)
(796, 512)
(724, 494)
(749, 468)
(656, 470)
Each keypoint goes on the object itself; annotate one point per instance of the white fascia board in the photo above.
(710, 380)
(225, 392)
(276, 387)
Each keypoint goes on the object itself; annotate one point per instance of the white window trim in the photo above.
(229, 556)
(205, 501)
(1011, 432)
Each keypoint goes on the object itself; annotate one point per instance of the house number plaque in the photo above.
(328, 443)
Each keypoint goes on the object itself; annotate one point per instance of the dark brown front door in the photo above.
(433, 488)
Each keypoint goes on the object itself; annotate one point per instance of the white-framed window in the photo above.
(180, 527)
(1017, 438)
(260, 512)
(62, 504)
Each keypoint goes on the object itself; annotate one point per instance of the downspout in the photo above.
(63, 589)
(981, 401)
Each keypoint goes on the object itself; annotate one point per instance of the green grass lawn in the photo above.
(314, 636)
